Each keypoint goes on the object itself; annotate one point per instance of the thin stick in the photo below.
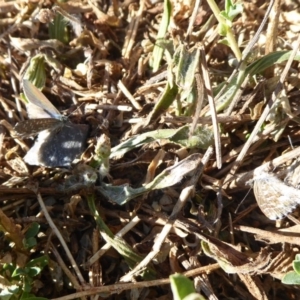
(212, 106)
(59, 236)
(64, 267)
(264, 114)
(118, 288)
(193, 17)
(107, 246)
(128, 95)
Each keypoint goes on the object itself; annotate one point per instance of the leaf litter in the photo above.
(160, 86)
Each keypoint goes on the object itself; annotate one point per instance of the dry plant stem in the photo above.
(160, 219)
(228, 158)
(15, 204)
(109, 107)
(193, 17)
(201, 282)
(11, 131)
(254, 286)
(95, 274)
(184, 196)
(152, 84)
(110, 114)
(17, 23)
(259, 139)
(213, 112)
(59, 236)
(66, 270)
(128, 95)
(242, 214)
(132, 31)
(107, 246)
(155, 81)
(271, 36)
(102, 18)
(272, 237)
(238, 288)
(259, 30)
(264, 114)
(118, 288)
(9, 108)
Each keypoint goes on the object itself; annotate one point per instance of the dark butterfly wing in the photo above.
(34, 126)
(58, 148)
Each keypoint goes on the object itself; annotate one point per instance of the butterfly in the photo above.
(275, 198)
(59, 141)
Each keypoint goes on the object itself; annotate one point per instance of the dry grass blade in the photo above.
(265, 113)
(61, 239)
